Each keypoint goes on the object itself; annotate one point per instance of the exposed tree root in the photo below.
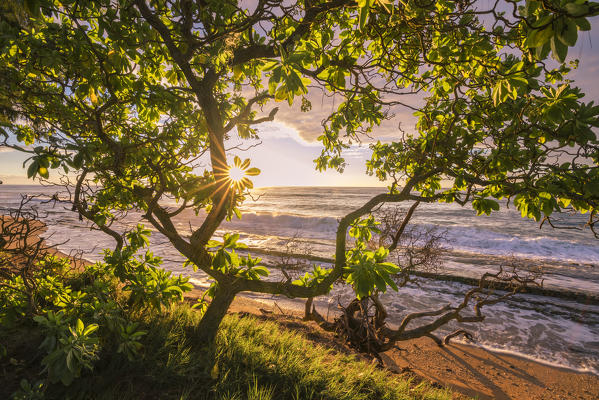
(459, 332)
(362, 323)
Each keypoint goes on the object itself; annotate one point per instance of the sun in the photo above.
(236, 174)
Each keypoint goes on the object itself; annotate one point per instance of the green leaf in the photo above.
(446, 86)
(91, 328)
(79, 327)
(260, 270)
(575, 9)
(174, 289)
(32, 170)
(43, 171)
(569, 34)
(583, 24)
(364, 12)
(213, 243)
(539, 37)
(69, 360)
(390, 268)
(391, 282)
(497, 94)
(564, 203)
(237, 72)
(240, 245)
(547, 207)
(281, 93)
(380, 283)
(558, 49)
(237, 212)
(230, 240)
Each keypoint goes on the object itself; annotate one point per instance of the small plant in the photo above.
(70, 349)
(225, 258)
(130, 344)
(29, 391)
(155, 287)
(260, 392)
(83, 311)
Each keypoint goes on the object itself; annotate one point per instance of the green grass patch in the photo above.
(255, 360)
(89, 338)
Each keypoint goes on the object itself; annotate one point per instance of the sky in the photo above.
(288, 145)
(285, 158)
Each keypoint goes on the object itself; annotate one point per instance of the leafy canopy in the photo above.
(135, 102)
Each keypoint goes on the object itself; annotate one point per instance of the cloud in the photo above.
(357, 152)
(284, 130)
(308, 125)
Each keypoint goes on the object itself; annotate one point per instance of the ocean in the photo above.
(549, 329)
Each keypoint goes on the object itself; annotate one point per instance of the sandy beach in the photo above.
(468, 370)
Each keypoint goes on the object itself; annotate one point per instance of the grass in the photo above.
(255, 360)
(298, 369)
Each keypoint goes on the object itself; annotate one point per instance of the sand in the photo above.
(470, 371)
(484, 374)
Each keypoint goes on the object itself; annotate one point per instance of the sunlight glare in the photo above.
(236, 174)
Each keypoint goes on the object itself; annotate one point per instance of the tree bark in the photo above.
(308, 308)
(212, 318)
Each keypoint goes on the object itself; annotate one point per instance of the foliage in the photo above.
(315, 277)
(49, 289)
(81, 314)
(225, 259)
(149, 285)
(165, 359)
(252, 356)
(368, 270)
(70, 349)
(28, 391)
(134, 104)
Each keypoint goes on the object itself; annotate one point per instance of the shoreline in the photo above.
(296, 308)
(470, 369)
(277, 306)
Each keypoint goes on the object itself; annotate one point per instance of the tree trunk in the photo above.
(216, 311)
(308, 309)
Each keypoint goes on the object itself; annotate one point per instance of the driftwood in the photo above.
(362, 323)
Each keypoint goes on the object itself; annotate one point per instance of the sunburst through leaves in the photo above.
(238, 173)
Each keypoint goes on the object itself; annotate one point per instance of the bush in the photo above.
(99, 344)
(82, 314)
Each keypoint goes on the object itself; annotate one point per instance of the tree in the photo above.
(127, 97)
